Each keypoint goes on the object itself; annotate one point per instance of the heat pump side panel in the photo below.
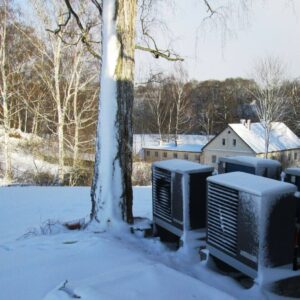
(177, 200)
(198, 205)
(231, 167)
(279, 232)
(293, 179)
(248, 230)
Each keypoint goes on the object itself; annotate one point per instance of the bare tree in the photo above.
(112, 187)
(60, 70)
(81, 116)
(183, 113)
(205, 121)
(293, 93)
(160, 108)
(270, 94)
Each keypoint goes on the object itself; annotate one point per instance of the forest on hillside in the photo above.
(50, 88)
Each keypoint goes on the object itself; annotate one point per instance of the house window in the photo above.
(156, 154)
(229, 131)
(197, 157)
(175, 155)
(234, 142)
(223, 142)
(213, 159)
(289, 156)
(295, 156)
(165, 154)
(186, 156)
(148, 153)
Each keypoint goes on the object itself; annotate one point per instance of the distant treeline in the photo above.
(206, 106)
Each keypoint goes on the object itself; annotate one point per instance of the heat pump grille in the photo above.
(162, 194)
(222, 217)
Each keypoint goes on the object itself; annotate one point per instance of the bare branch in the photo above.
(209, 8)
(84, 35)
(147, 22)
(158, 53)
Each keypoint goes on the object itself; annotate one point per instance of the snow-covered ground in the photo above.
(24, 162)
(108, 265)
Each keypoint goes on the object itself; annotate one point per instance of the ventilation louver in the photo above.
(222, 217)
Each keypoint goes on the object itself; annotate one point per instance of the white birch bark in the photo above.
(4, 96)
(112, 191)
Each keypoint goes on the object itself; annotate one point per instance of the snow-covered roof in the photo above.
(293, 171)
(153, 140)
(180, 148)
(281, 137)
(253, 184)
(251, 161)
(180, 165)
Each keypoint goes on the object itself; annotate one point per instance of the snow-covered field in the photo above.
(24, 162)
(108, 265)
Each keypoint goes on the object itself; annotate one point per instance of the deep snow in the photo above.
(107, 265)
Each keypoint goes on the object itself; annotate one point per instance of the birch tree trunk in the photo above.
(7, 156)
(4, 95)
(112, 190)
(57, 48)
(76, 130)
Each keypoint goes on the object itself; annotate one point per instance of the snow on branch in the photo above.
(68, 291)
(166, 54)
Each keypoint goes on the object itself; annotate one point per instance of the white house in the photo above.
(247, 139)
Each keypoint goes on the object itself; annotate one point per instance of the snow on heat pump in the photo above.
(250, 221)
(179, 195)
(292, 175)
(253, 165)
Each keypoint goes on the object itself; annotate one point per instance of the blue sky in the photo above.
(273, 29)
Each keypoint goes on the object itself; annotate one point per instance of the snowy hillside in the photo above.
(37, 259)
(30, 155)
(27, 156)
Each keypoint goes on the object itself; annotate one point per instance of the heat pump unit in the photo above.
(253, 165)
(250, 221)
(179, 195)
(292, 175)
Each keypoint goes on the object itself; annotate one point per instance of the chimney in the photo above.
(243, 121)
(248, 124)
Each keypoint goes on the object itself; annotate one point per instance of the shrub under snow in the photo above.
(141, 173)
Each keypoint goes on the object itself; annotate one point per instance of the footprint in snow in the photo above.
(6, 248)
